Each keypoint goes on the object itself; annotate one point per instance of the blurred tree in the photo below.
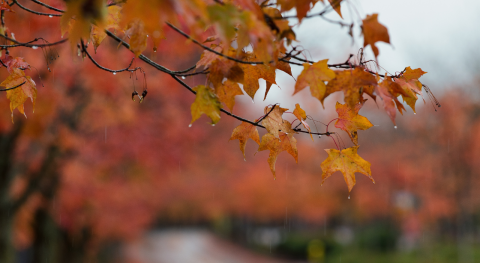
(60, 182)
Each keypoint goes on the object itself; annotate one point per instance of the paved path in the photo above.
(191, 246)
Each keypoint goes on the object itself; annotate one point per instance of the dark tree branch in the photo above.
(174, 75)
(13, 87)
(84, 49)
(29, 43)
(211, 50)
(35, 12)
(240, 118)
(264, 116)
(49, 7)
(147, 60)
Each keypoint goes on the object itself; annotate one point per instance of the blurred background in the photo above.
(93, 177)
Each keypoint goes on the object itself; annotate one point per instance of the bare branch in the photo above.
(84, 49)
(35, 12)
(49, 7)
(29, 44)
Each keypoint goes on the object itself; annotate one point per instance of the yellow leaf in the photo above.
(346, 161)
(314, 76)
(206, 102)
(274, 123)
(97, 35)
(302, 116)
(19, 95)
(227, 91)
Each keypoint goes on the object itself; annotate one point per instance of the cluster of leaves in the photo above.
(252, 40)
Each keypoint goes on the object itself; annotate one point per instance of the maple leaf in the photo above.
(208, 57)
(223, 68)
(13, 63)
(244, 131)
(351, 82)
(314, 76)
(285, 142)
(4, 6)
(350, 121)
(374, 32)
(280, 26)
(18, 96)
(410, 85)
(206, 102)
(97, 35)
(302, 116)
(80, 15)
(336, 6)
(227, 91)
(274, 123)
(138, 36)
(252, 74)
(388, 91)
(346, 161)
(302, 6)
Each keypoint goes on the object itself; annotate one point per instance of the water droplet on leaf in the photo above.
(395, 127)
(190, 125)
(348, 196)
(415, 113)
(213, 125)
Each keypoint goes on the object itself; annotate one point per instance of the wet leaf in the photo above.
(350, 121)
(314, 76)
(346, 161)
(302, 116)
(18, 96)
(285, 142)
(227, 91)
(206, 102)
(243, 132)
(274, 123)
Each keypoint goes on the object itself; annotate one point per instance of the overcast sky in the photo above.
(441, 37)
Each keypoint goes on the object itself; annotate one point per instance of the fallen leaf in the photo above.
(346, 161)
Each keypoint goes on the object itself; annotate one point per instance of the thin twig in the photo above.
(28, 44)
(104, 68)
(264, 116)
(49, 7)
(35, 12)
(13, 87)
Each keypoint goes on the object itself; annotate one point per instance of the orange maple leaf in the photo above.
(346, 161)
(388, 91)
(373, 32)
(302, 116)
(253, 73)
(351, 82)
(227, 91)
(314, 76)
(410, 85)
(274, 123)
(244, 131)
(350, 121)
(285, 142)
(138, 36)
(97, 34)
(18, 96)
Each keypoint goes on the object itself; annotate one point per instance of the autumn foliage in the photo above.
(243, 45)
